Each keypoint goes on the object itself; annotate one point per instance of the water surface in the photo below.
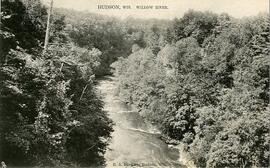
(134, 141)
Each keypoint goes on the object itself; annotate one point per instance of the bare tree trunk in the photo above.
(48, 28)
(83, 91)
(62, 64)
(91, 81)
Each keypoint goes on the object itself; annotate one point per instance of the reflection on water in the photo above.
(134, 141)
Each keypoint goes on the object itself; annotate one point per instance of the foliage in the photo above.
(203, 79)
(112, 36)
(25, 20)
(50, 113)
(207, 85)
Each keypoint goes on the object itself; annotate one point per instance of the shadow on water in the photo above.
(135, 142)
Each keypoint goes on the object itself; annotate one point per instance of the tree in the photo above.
(47, 101)
(198, 25)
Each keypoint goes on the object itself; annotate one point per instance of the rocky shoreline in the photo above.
(184, 157)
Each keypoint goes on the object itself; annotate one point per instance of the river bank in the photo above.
(134, 138)
(134, 141)
(184, 157)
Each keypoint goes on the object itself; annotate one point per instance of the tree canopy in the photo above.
(206, 85)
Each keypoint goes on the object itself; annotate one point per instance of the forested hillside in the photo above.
(50, 113)
(203, 79)
(205, 82)
(112, 36)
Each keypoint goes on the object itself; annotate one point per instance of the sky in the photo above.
(176, 8)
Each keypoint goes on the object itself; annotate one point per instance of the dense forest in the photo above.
(205, 82)
(113, 37)
(50, 113)
(203, 79)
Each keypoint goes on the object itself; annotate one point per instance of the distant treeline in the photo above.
(112, 36)
(205, 82)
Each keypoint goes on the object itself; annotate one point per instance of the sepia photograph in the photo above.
(134, 84)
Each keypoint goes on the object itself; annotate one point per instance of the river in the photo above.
(134, 141)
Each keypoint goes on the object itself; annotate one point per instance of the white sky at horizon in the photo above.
(235, 8)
